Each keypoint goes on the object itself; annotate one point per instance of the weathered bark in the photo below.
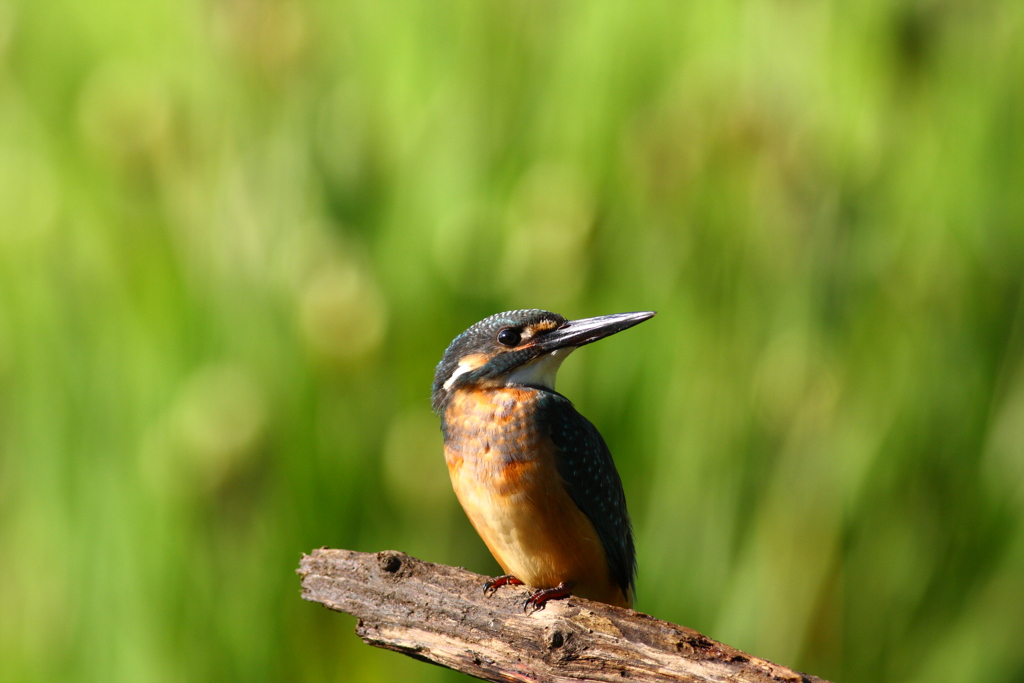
(439, 614)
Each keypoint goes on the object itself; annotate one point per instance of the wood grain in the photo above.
(439, 614)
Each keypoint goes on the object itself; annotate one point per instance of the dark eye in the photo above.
(509, 337)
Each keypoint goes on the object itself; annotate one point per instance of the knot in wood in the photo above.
(390, 562)
(556, 639)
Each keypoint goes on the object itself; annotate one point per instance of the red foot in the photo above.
(497, 582)
(540, 598)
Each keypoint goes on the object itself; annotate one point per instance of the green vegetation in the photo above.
(236, 236)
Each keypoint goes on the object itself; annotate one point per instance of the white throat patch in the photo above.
(540, 371)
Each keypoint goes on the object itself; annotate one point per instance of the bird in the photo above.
(535, 477)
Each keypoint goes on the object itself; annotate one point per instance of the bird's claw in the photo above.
(505, 580)
(540, 598)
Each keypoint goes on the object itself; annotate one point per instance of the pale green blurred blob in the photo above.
(219, 419)
(342, 313)
(551, 214)
(1003, 463)
(413, 464)
(125, 115)
(29, 184)
(417, 485)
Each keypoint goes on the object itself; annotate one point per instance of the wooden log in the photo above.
(440, 614)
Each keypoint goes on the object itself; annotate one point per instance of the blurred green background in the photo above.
(237, 235)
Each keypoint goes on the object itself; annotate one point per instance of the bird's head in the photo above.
(522, 348)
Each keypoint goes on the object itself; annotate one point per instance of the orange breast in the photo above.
(504, 474)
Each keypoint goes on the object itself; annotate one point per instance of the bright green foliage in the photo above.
(236, 236)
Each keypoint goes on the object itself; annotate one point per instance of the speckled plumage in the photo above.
(533, 475)
(590, 478)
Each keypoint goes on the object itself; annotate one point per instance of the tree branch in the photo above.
(439, 614)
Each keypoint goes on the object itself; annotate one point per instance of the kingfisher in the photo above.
(534, 476)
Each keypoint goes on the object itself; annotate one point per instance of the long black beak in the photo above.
(587, 330)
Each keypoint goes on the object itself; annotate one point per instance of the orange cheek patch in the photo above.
(473, 361)
(535, 329)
